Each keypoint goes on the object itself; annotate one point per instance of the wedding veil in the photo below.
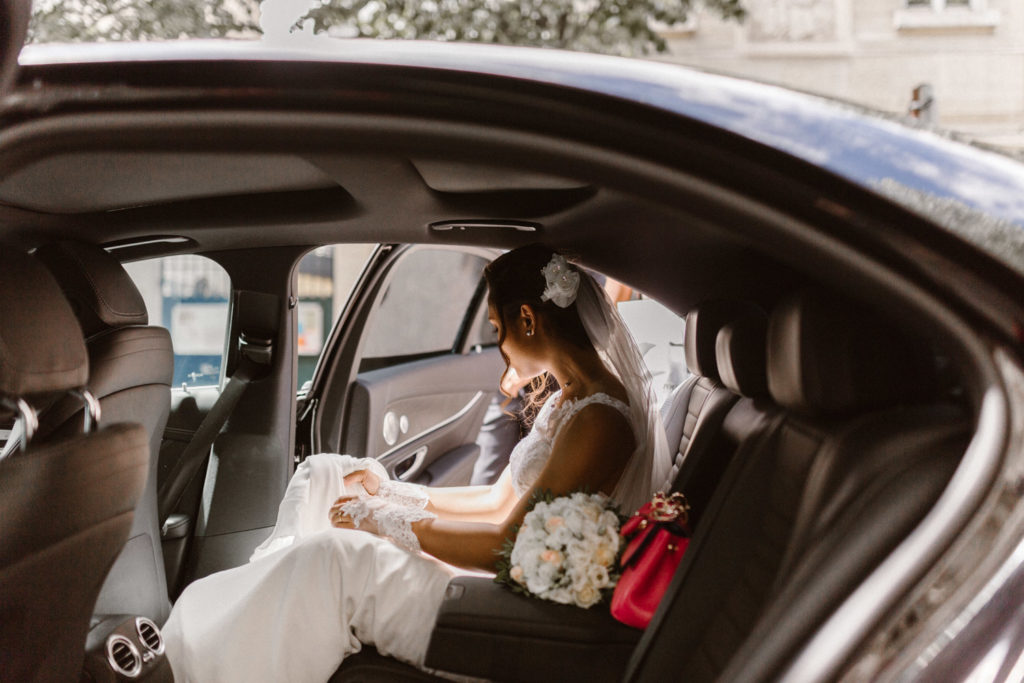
(648, 469)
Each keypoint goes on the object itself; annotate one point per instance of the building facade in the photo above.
(968, 55)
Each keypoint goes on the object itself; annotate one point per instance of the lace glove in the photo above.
(402, 493)
(391, 517)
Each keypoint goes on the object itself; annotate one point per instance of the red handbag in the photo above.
(657, 536)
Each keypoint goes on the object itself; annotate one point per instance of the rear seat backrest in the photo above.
(773, 528)
(696, 409)
(66, 505)
(130, 368)
(705, 448)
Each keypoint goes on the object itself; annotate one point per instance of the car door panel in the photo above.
(443, 400)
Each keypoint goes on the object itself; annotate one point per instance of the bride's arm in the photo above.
(474, 503)
(468, 503)
(590, 453)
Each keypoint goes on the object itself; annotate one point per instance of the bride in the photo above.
(356, 558)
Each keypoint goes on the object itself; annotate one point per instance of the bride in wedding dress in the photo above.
(356, 558)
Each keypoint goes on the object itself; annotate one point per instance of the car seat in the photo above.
(67, 504)
(130, 369)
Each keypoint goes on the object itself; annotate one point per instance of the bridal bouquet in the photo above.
(566, 550)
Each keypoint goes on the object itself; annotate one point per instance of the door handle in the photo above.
(411, 464)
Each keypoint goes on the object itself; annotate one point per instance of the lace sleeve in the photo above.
(402, 493)
(394, 509)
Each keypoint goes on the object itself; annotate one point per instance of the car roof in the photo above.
(907, 165)
(87, 156)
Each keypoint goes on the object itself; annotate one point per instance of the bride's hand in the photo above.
(369, 480)
(342, 520)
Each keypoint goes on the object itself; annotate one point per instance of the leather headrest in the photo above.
(830, 356)
(740, 353)
(101, 293)
(703, 323)
(41, 345)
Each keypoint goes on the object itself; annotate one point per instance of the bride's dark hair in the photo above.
(514, 279)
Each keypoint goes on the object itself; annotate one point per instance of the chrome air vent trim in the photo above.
(149, 635)
(123, 656)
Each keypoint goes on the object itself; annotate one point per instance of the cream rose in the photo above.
(552, 557)
(604, 555)
(587, 596)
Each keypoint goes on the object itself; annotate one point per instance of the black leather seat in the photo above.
(131, 366)
(810, 505)
(66, 505)
(701, 398)
(694, 415)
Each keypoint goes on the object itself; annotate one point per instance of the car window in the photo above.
(659, 335)
(187, 294)
(425, 304)
(326, 278)
(482, 333)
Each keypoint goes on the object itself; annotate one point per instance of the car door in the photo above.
(410, 374)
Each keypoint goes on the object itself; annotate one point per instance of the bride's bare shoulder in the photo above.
(599, 428)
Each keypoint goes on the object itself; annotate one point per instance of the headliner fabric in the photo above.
(100, 291)
(829, 356)
(41, 346)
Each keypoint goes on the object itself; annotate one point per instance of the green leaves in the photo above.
(624, 27)
(606, 26)
(69, 21)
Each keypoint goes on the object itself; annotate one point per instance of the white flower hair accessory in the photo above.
(562, 282)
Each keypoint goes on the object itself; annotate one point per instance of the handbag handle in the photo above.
(636, 550)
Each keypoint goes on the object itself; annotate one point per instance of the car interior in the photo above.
(832, 396)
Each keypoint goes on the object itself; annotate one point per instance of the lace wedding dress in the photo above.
(312, 594)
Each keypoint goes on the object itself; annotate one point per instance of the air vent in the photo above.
(123, 656)
(150, 635)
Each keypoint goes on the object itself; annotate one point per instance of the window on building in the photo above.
(946, 14)
(188, 295)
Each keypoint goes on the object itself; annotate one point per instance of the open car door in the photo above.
(410, 375)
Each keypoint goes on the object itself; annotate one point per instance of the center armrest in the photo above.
(484, 629)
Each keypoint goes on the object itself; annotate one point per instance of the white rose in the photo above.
(587, 596)
(604, 555)
(598, 575)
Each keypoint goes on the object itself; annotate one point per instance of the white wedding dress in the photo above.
(312, 594)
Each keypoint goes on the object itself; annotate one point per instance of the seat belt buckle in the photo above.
(259, 350)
